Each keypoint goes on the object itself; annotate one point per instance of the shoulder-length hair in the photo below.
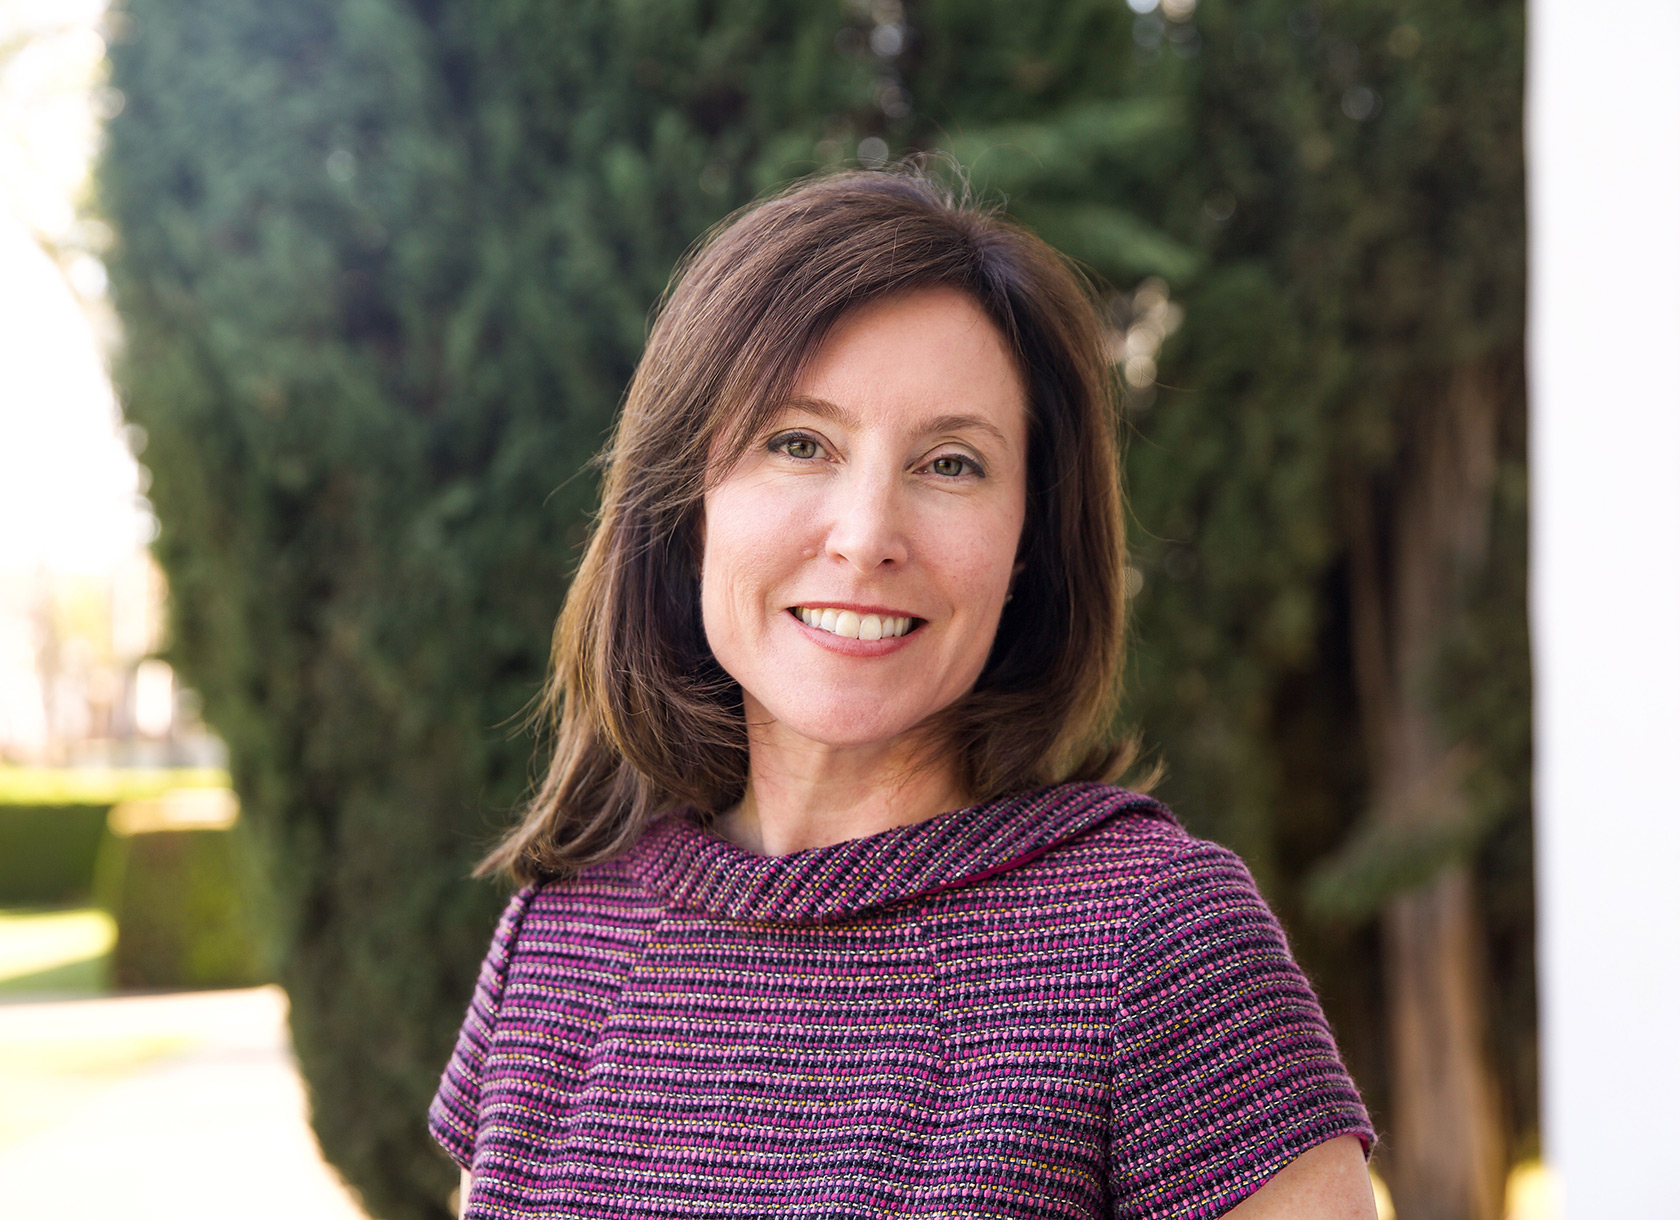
(644, 719)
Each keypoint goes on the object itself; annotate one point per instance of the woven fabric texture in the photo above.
(1057, 1004)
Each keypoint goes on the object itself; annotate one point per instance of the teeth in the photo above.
(852, 625)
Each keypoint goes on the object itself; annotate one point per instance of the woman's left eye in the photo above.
(952, 465)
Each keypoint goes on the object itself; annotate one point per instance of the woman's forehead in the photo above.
(935, 343)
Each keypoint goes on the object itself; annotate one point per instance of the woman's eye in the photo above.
(952, 466)
(802, 447)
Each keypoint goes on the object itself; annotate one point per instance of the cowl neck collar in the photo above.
(696, 870)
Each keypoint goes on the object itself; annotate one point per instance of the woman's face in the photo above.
(856, 559)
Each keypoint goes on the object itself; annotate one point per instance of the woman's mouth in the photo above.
(855, 626)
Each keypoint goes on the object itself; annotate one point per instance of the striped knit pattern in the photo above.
(1053, 1005)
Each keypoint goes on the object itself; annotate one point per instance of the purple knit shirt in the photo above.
(1056, 1004)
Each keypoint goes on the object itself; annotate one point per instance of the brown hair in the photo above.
(644, 717)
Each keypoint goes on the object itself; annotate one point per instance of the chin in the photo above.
(850, 723)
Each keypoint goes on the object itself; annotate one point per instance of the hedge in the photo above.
(52, 819)
(185, 911)
(47, 853)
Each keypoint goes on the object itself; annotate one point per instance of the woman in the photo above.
(827, 910)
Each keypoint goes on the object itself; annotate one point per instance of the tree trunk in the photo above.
(1447, 1154)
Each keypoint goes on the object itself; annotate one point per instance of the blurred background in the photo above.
(312, 313)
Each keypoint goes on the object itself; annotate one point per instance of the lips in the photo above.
(855, 625)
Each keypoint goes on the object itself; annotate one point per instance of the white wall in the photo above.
(1604, 194)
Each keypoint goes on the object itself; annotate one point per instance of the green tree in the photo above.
(1333, 652)
(384, 268)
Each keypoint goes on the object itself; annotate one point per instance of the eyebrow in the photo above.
(824, 409)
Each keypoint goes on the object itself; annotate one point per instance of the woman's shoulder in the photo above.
(1137, 839)
(602, 895)
(1157, 882)
(1218, 1044)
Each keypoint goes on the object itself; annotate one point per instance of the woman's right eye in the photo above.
(797, 445)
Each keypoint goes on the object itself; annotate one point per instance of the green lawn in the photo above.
(73, 786)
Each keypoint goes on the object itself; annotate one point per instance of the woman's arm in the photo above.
(1326, 1182)
(1226, 1079)
(466, 1189)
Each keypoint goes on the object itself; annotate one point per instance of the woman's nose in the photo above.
(866, 525)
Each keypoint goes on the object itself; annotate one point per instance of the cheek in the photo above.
(976, 557)
(746, 547)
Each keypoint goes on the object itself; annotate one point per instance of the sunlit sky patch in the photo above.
(68, 485)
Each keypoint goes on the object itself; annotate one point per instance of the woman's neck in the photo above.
(800, 798)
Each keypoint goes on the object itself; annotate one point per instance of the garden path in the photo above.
(183, 1106)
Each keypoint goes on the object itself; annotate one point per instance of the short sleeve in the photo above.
(1225, 1068)
(453, 1116)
